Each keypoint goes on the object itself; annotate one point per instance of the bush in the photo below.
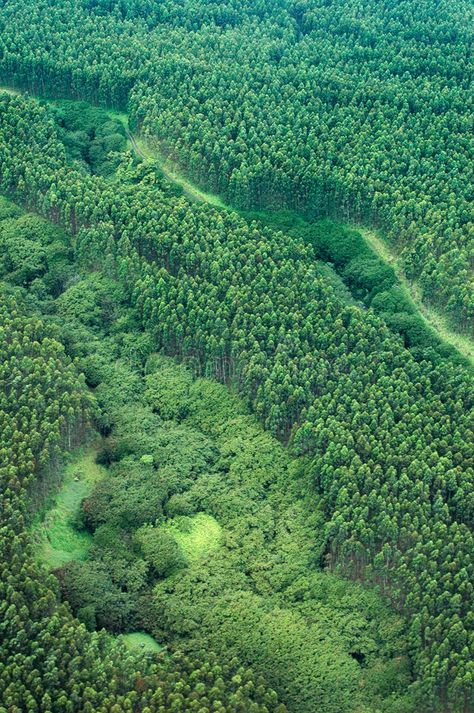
(87, 616)
(369, 275)
(91, 592)
(335, 243)
(8, 209)
(180, 504)
(160, 549)
(392, 301)
(414, 330)
(131, 496)
(95, 301)
(168, 392)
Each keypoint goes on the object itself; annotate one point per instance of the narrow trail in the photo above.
(135, 145)
(435, 319)
(141, 148)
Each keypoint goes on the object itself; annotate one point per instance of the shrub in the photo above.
(160, 549)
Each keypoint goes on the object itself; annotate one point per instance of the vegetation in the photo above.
(142, 642)
(93, 139)
(50, 662)
(346, 357)
(197, 536)
(191, 525)
(324, 106)
(300, 534)
(183, 455)
(56, 531)
(367, 268)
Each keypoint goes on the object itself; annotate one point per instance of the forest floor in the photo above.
(57, 538)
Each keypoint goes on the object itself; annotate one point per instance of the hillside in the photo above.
(236, 406)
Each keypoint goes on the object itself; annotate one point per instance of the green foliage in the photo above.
(133, 495)
(90, 589)
(160, 549)
(392, 301)
(180, 504)
(49, 660)
(336, 244)
(8, 209)
(93, 301)
(32, 249)
(376, 128)
(386, 435)
(90, 136)
(268, 105)
(369, 275)
(250, 558)
(167, 392)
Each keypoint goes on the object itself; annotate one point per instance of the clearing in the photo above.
(57, 538)
(139, 640)
(197, 536)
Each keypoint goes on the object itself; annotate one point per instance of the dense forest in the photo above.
(187, 462)
(49, 661)
(362, 109)
(297, 537)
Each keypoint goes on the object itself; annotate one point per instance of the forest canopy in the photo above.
(299, 536)
(337, 108)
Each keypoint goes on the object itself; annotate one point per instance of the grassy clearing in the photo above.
(434, 318)
(197, 536)
(57, 539)
(140, 641)
(9, 90)
(189, 189)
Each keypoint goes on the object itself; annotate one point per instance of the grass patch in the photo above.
(189, 189)
(140, 641)
(57, 538)
(197, 536)
(171, 172)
